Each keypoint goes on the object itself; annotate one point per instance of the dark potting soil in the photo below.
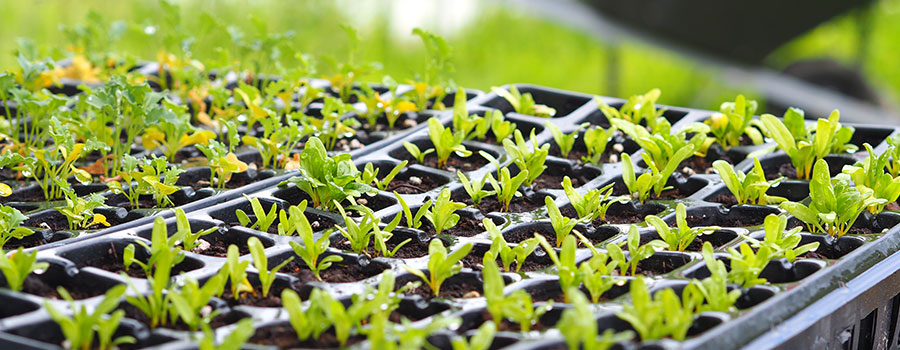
(625, 215)
(517, 205)
(550, 181)
(787, 170)
(109, 263)
(415, 184)
(136, 314)
(727, 200)
(251, 299)
(219, 247)
(456, 163)
(451, 289)
(26, 196)
(337, 273)
(649, 267)
(619, 189)
(284, 337)
(695, 246)
(466, 227)
(81, 290)
(413, 249)
(519, 235)
(508, 326)
(728, 221)
(475, 262)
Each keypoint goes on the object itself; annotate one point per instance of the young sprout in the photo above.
(565, 142)
(264, 219)
(524, 103)
(714, 288)
(445, 142)
(330, 128)
(780, 241)
(641, 186)
(162, 248)
(146, 177)
(236, 271)
(748, 188)
(578, 326)
(893, 154)
(567, 268)
(370, 175)
(360, 234)
(312, 248)
(413, 221)
(834, 204)
(441, 265)
(508, 255)
(734, 120)
(475, 189)
(158, 269)
(678, 238)
(11, 220)
(189, 239)
(481, 340)
(174, 132)
(501, 127)
(435, 78)
(235, 340)
(870, 176)
(375, 104)
(18, 265)
(527, 158)
(266, 276)
(79, 329)
(442, 214)
(517, 306)
(327, 180)
(508, 187)
(747, 265)
(595, 140)
(472, 126)
(636, 251)
(802, 145)
(594, 203)
(417, 154)
(665, 149)
(660, 315)
(79, 211)
(562, 225)
(289, 221)
(222, 163)
(638, 108)
(596, 273)
(188, 302)
(311, 322)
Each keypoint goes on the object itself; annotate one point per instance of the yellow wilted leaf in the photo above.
(98, 219)
(201, 137)
(74, 154)
(152, 138)
(233, 160)
(5, 190)
(404, 106)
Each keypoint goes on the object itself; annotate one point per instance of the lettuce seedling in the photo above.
(472, 126)
(660, 315)
(50, 168)
(636, 251)
(18, 265)
(562, 225)
(413, 221)
(312, 248)
(222, 163)
(508, 255)
(493, 288)
(475, 189)
(151, 177)
(746, 265)
(578, 326)
(442, 214)
(360, 234)
(501, 127)
(436, 73)
(527, 158)
(188, 302)
(802, 145)
(174, 132)
(782, 242)
(11, 220)
(306, 323)
(327, 180)
(79, 212)
(596, 273)
(266, 276)
(264, 219)
(481, 340)
(441, 265)
(164, 255)
(243, 331)
(79, 328)
(594, 203)
(663, 148)
(869, 176)
(382, 236)
(370, 175)
(445, 142)
(638, 108)
(524, 103)
(508, 187)
(375, 104)
(893, 154)
(834, 204)
(162, 248)
(236, 271)
(417, 154)
(735, 119)
(678, 238)
(595, 140)
(565, 142)
(189, 239)
(640, 187)
(330, 128)
(748, 188)
(714, 289)
(567, 268)
(289, 221)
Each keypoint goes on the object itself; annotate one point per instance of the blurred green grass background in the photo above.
(492, 44)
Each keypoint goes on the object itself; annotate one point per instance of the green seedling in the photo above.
(475, 189)
(529, 159)
(567, 268)
(84, 327)
(804, 146)
(733, 121)
(595, 140)
(636, 251)
(501, 127)
(18, 265)
(578, 326)
(869, 176)
(638, 109)
(524, 103)
(562, 225)
(441, 265)
(563, 141)
(413, 221)
(640, 187)
(442, 214)
(222, 163)
(11, 220)
(508, 187)
(678, 238)
(235, 340)
(661, 315)
(594, 203)
(780, 241)
(748, 188)
(266, 276)
(188, 302)
(500, 248)
(312, 248)
(445, 143)
(369, 175)
(264, 219)
(327, 180)
(714, 288)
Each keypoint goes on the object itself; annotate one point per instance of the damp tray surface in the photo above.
(90, 264)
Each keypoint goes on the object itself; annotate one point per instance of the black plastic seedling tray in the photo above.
(843, 297)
